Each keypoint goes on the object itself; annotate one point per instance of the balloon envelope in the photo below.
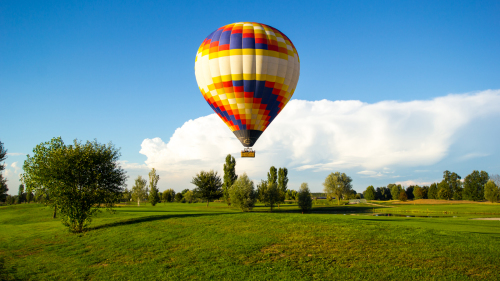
(247, 72)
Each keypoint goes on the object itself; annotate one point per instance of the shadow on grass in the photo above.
(317, 209)
(150, 219)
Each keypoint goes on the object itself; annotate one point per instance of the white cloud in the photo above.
(412, 182)
(327, 135)
(16, 168)
(372, 174)
(16, 154)
(132, 166)
(473, 155)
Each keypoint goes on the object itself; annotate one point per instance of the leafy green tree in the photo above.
(337, 184)
(491, 191)
(444, 192)
(243, 194)
(369, 193)
(425, 191)
(282, 184)
(305, 199)
(433, 191)
(474, 185)
(229, 177)
(20, 194)
(382, 193)
(403, 196)
(409, 192)
(189, 195)
(79, 178)
(268, 193)
(418, 192)
(154, 196)
(139, 191)
(395, 190)
(29, 197)
(208, 185)
(3, 181)
(454, 184)
(3, 189)
(272, 176)
(168, 195)
(178, 197)
(127, 195)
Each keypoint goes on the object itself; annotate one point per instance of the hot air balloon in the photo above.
(247, 72)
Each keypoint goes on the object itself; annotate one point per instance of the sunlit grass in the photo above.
(190, 241)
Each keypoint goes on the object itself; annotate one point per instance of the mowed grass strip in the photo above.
(179, 241)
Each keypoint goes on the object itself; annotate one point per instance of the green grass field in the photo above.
(190, 241)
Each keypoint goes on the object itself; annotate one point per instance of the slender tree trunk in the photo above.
(207, 202)
(138, 202)
(55, 213)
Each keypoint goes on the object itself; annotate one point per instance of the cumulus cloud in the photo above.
(412, 182)
(328, 135)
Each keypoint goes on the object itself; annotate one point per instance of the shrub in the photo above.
(305, 200)
(402, 196)
(242, 193)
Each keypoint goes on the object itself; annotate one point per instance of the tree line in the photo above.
(240, 191)
(476, 186)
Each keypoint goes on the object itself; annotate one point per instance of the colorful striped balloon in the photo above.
(247, 72)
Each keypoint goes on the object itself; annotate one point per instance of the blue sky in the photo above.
(123, 71)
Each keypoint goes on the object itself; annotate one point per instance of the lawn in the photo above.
(179, 241)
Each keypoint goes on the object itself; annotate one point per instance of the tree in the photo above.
(337, 184)
(127, 195)
(272, 176)
(425, 191)
(268, 193)
(29, 197)
(168, 195)
(78, 177)
(454, 184)
(282, 184)
(189, 196)
(305, 199)
(474, 185)
(208, 185)
(433, 190)
(20, 194)
(403, 196)
(3, 182)
(3, 189)
(395, 190)
(491, 191)
(229, 177)
(369, 193)
(243, 194)
(139, 191)
(154, 197)
(409, 192)
(382, 193)
(178, 197)
(418, 192)
(444, 192)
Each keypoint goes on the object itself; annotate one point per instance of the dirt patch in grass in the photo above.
(436, 202)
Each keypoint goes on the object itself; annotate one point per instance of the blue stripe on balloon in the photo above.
(236, 41)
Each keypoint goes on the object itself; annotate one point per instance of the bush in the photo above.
(402, 196)
(242, 193)
(491, 192)
(178, 197)
(305, 200)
